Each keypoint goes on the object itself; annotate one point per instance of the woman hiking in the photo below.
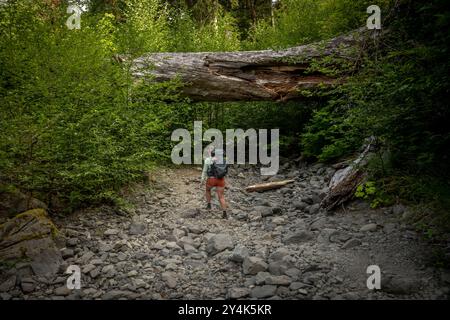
(214, 172)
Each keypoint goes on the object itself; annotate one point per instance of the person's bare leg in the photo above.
(220, 194)
(208, 197)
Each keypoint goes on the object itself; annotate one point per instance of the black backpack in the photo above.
(218, 170)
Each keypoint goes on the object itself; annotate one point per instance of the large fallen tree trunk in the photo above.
(249, 75)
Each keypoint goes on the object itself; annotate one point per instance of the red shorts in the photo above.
(214, 182)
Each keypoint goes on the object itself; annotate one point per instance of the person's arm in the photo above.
(205, 168)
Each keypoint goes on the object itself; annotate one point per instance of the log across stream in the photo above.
(249, 75)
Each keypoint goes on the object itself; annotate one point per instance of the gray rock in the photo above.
(31, 236)
(191, 213)
(282, 280)
(318, 224)
(218, 243)
(94, 273)
(296, 285)
(368, 227)
(299, 205)
(9, 284)
(278, 220)
(265, 291)
(279, 267)
(111, 232)
(109, 271)
(264, 211)
(5, 296)
(88, 268)
(189, 249)
(238, 293)
(27, 286)
(72, 242)
(114, 295)
(87, 256)
(261, 277)
(239, 253)
(298, 237)
(339, 236)
(62, 291)
(398, 284)
(293, 273)
(138, 226)
(132, 273)
(254, 216)
(170, 279)
(197, 229)
(67, 253)
(351, 244)
(282, 292)
(253, 265)
(314, 208)
(279, 254)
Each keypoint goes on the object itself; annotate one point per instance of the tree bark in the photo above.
(248, 75)
(268, 186)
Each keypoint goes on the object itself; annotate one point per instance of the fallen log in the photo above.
(277, 75)
(268, 186)
(344, 182)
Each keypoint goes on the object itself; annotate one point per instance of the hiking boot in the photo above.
(224, 215)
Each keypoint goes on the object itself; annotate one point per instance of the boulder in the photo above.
(239, 253)
(13, 202)
(218, 243)
(398, 284)
(299, 236)
(265, 291)
(253, 265)
(237, 293)
(30, 236)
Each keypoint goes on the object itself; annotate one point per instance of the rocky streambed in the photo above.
(277, 244)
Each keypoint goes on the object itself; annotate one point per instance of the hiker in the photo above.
(215, 169)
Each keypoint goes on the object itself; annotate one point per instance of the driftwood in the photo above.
(344, 182)
(268, 186)
(248, 75)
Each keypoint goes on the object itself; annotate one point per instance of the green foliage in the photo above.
(371, 191)
(146, 28)
(74, 127)
(297, 22)
(330, 135)
(219, 33)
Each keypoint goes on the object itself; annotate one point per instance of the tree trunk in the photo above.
(248, 75)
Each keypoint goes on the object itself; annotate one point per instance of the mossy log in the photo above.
(276, 75)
